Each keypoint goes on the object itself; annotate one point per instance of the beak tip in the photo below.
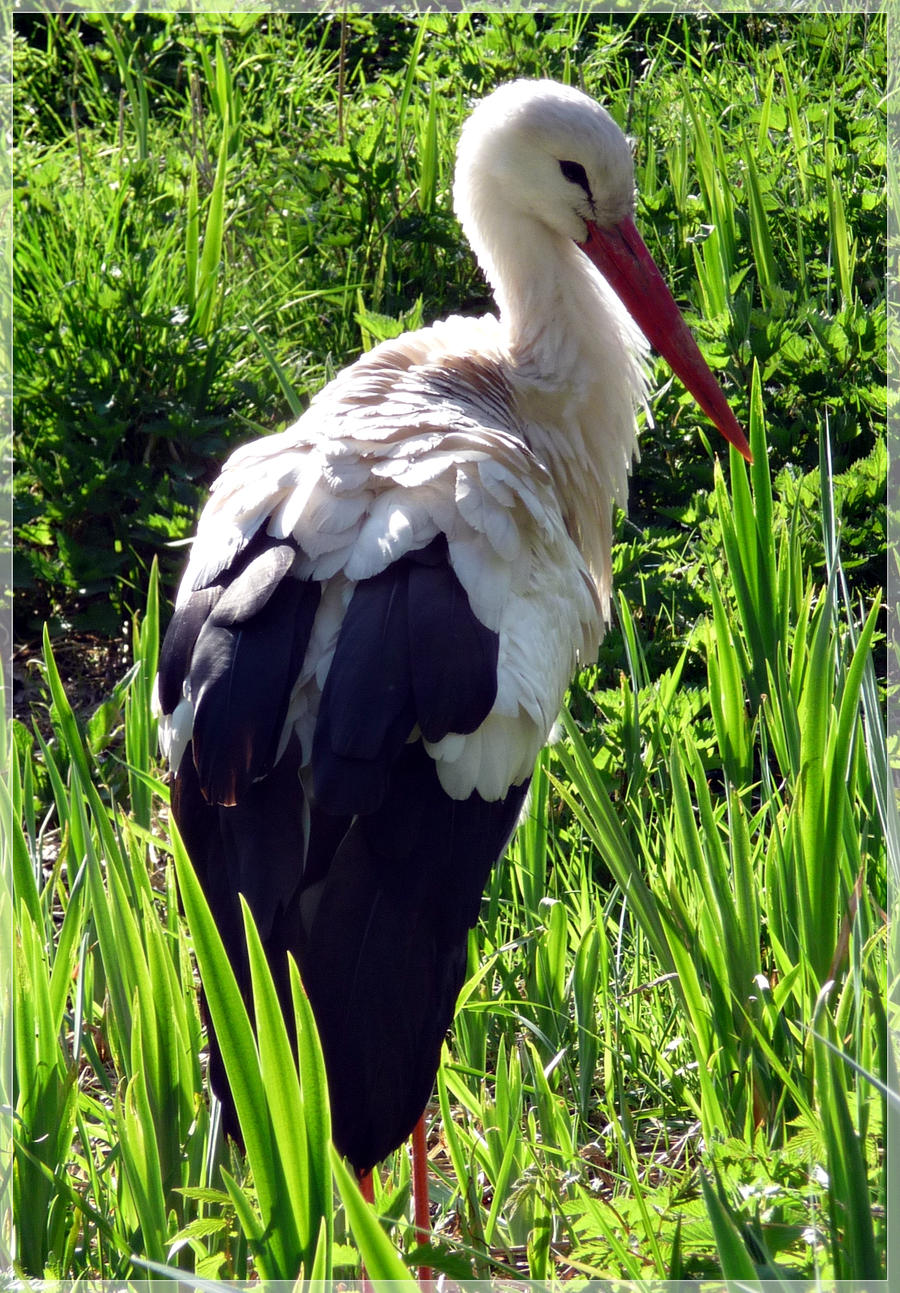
(731, 429)
(745, 452)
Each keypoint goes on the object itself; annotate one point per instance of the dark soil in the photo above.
(89, 666)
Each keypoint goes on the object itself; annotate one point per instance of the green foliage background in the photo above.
(197, 197)
(670, 1058)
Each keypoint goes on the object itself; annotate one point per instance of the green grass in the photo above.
(670, 1056)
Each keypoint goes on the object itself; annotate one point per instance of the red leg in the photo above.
(367, 1186)
(420, 1191)
(367, 1190)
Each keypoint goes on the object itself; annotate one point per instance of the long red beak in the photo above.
(622, 258)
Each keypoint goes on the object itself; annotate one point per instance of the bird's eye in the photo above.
(576, 174)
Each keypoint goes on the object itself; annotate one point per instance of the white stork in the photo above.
(385, 603)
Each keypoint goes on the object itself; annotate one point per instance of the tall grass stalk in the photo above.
(668, 1059)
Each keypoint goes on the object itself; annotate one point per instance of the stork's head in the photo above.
(548, 152)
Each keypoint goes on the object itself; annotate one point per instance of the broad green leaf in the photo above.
(278, 1073)
(733, 1256)
(383, 1265)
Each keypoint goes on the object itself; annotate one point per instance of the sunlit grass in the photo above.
(656, 984)
(667, 1057)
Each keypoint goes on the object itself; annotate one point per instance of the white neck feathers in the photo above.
(574, 359)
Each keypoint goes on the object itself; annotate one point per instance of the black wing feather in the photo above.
(256, 849)
(453, 656)
(372, 886)
(178, 644)
(252, 587)
(383, 947)
(241, 679)
(366, 711)
(410, 652)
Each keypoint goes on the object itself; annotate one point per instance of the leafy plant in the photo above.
(668, 1060)
(167, 224)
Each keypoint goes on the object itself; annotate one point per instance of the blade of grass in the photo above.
(384, 1268)
(733, 1256)
(235, 1035)
(278, 1073)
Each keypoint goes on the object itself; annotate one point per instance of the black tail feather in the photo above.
(380, 937)
(383, 940)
